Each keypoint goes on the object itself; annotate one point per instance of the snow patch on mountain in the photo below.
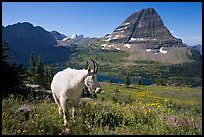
(108, 36)
(122, 28)
(108, 39)
(73, 36)
(127, 45)
(141, 39)
(104, 45)
(148, 50)
(133, 39)
(162, 51)
(111, 45)
(116, 37)
(119, 31)
(66, 38)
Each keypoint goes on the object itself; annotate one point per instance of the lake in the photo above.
(113, 79)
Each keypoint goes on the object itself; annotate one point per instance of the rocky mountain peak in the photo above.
(145, 37)
(57, 35)
(73, 36)
(144, 28)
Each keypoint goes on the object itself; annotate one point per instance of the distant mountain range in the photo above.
(76, 41)
(24, 38)
(197, 47)
(142, 35)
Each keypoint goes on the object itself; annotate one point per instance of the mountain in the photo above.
(144, 36)
(70, 40)
(197, 47)
(19, 33)
(141, 37)
(76, 41)
(24, 38)
(57, 35)
(144, 28)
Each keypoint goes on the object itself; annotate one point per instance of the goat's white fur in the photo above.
(69, 84)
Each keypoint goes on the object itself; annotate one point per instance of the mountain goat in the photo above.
(69, 84)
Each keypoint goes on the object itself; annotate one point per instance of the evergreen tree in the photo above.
(51, 73)
(47, 79)
(32, 69)
(5, 54)
(11, 75)
(40, 72)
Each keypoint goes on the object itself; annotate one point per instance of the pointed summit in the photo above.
(144, 36)
(144, 28)
(150, 26)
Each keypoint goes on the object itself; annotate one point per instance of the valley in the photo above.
(115, 63)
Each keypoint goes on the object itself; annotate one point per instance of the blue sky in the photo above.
(96, 19)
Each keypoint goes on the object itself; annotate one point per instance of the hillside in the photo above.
(115, 63)
(24, 38)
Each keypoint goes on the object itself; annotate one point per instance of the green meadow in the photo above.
(132, 110)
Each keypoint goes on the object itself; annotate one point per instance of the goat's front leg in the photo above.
(75, 104)
(73, 112)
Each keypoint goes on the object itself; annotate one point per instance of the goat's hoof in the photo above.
(65, 131)
(65, 124)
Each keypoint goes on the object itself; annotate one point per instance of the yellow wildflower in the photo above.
(24, 131)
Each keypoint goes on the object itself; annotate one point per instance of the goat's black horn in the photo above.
(95, 66)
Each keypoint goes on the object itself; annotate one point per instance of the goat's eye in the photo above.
(93, 77)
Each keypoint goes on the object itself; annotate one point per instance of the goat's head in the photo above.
(91, 80)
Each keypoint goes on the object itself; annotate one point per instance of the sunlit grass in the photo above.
(137, 110)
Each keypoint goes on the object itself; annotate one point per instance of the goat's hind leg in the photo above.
(58, 103)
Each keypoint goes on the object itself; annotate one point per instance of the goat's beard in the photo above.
(87, 93)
